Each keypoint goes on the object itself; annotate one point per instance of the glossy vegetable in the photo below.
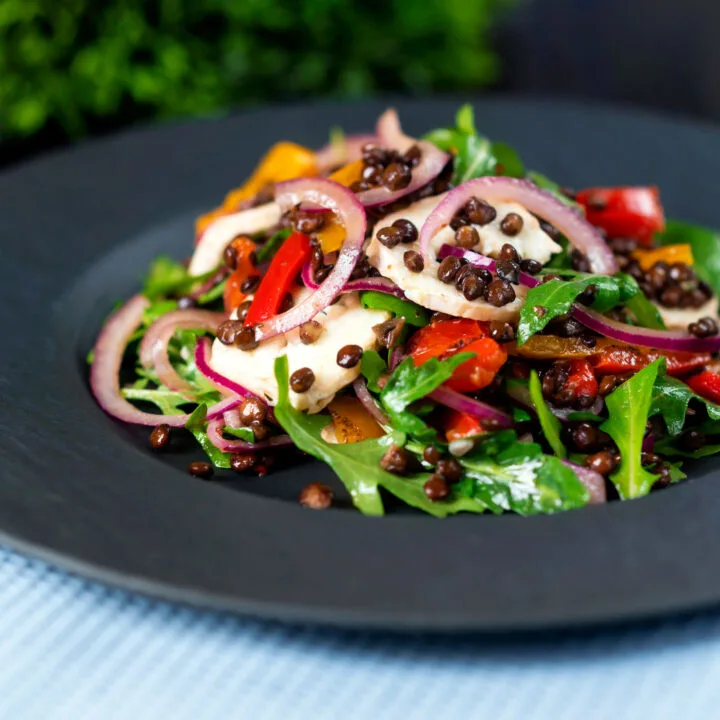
(352, 422)
(445, 338)
(461, 425)
(233, 294)
(680, 253)
(633, 212)
(707, 385)
(619, 359)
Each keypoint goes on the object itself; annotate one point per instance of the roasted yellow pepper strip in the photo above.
(352, 422)
(284, 161)
(670, 254)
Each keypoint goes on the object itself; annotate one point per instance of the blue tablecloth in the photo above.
(73, 649)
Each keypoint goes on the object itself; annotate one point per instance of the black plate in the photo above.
(77, 488)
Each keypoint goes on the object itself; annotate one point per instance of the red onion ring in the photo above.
(363, 395)
(343, 203)
(154, 346)
(673, 340)
(105, 370)
(376, 284)
(232, 418)
(335, 154)
(480, 410)
(202, 354)
(432, 161)
(215, 436)
(568, 221)
(593, 481)
(213, 241)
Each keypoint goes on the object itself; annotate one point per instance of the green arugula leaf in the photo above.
(668, 446)
(556, 297)
(413, 314)
(356, 464)
(167, 401)
(646, 312)
(584, 416)
(213, 294)
(508, 160)
(197, 424)
(520, 414)
(473, 158)
(671, 397)
(629, 408)
(705, 244)
(509, 475)
(465, 119)
(409, 383)
(166, 277)
(549, 424)
(372, 366)
(242, 433)
(268, 250)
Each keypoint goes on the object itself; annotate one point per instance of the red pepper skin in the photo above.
(460, 425)
(616, 359)
(707, 385)
(631, 212)
(582, 381)
(279, 278)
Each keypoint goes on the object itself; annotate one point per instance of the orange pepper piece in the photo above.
(352, 422)
(233, 294)
(283, 161)
(331, 235)
(348, 174)
(670, 254)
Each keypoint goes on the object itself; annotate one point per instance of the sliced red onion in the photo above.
(351, 213)
(376, 284)
(593, 481)
(480, 410)
(215, 279)
(202, 355)
(648, 443)
(564, 413)
(368, 401)
(673, 340)
(215, 436)
(341, 152)
(212, 243)
(568, 221)
(232, 418)
(105, 370)
(154, 346)
(391, 136)
(482, 261)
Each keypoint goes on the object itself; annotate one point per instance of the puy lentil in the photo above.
(245, 339)
(241, 462)
(302, 380)
(160, 436)
(512, 224)
(200, 469)
(250, 284)
(316, 496)
(579, 261)
(395, 460)
(396, 176)
(261, 431)
(585, 437)
(412, 156)
(467, 237)
(435, 488)
(409, 233)
(500, 292)
(230, 257)
(479, 212)
(484, 274)
(448, 268)
(390, 236)
(704, 327)
(431, 455)
(349, 356)
(449, 469)
(623, 246)
(388, 332)
(550, 230)
(502, 332)
(472, 287)
(371, 174)
(672, 297)
(316, 257)
(252, 410)
(307, 222)
(322, 272)
(509, 252)
(413, 261)
(608, 384)
(310, 332)
(602, 462)
(508, 270)
(588, 295)
(530, 266)
(227, 331)
(692, 440)
(373, 154)
(242, 310)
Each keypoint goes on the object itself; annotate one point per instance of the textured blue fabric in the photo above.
(73, 649)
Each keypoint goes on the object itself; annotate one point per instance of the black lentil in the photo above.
(408, 230)
(388, 332)
(479, 212)
(302, 380)
(449, 469)
(508, 270)
(309, 332)
(245, 339)
(532, 267)
(395, 460)
(316, 496)
(502, 332)
(252, 410)
(413, 261)
(261, 431)
(242, 310)
(472, 287)
(230, 256)
(704, 327)
(509, 252)
(396, 176)
(431, 455)
(200, 469)
(692, 440)
(435, 488)
(241, 462)
(500, 292)
(160, 436)
(467, 237)
(250, 284)
(349, 356)
(448, 268)
(512, 224)
(602, 462)
(227, 331)
(412, 156)
(390, 236)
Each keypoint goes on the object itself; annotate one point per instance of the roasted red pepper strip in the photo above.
(582, 379)
(460, 425)
(279, 278)
(707, 385)
(622, 359)
(631, 212)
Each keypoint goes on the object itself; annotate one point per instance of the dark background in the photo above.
(79, 68)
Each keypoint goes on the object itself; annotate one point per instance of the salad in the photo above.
(442, 326)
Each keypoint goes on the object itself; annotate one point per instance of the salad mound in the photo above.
(434, 321)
